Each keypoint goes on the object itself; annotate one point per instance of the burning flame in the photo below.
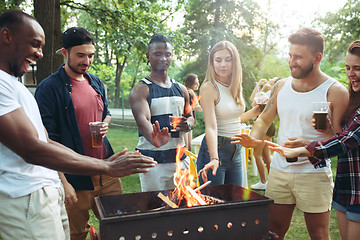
(185, 178)
(175, 121)
(195, 101)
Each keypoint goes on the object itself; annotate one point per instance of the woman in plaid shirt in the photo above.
(346, 197)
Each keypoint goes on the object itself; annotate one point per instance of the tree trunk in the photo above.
(119, 70)
(135, 75)
(47, 12)
(117, 83)
(215, 30)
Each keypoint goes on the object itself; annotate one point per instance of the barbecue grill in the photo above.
(242, 214)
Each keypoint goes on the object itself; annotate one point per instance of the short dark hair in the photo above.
(10, 18)
(309, 37)
(354, 48)
(158, 38)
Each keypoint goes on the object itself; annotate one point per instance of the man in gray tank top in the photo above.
(297, 183)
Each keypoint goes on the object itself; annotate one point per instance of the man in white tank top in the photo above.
(298, 183)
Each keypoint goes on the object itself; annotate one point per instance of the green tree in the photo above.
(269, 36)
(123, 29)
(207, 22)
(340, 29)
(273, 66)
(336, 70)
(10, 4)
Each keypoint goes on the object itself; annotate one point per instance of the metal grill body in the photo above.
(244, 215)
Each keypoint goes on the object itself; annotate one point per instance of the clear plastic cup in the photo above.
(96, 137)
(320, 110)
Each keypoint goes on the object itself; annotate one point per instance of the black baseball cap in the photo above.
(76, 36)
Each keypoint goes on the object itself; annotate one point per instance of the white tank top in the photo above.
(227, 113)
(295, 113)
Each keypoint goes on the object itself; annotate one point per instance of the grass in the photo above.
(120, 138)
(298, 230)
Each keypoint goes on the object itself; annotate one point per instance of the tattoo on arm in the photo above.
(272, 98)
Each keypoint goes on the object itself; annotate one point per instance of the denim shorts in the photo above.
(230, 170)
(352, 211)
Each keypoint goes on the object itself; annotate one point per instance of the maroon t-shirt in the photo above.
(88, 108)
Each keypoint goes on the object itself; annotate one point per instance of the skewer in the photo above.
(167, 201)
(202, 186)
(196, 196)
(159, 208)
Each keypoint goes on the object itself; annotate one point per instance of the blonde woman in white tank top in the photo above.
(223, 107)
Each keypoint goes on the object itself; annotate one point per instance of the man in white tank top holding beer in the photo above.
(298, 183)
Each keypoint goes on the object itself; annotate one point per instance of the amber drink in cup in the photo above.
(260, 99)
(96, 137)
(320, 110)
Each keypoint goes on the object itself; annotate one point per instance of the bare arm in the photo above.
(196, 106)
(263, 122)
(246, 116)
(209, 96)
(288, 152)
(268, 115)
(256, 90)
(141, 111)
(338, 96)
(19, 135)
(189, 119)
(70, 193)
(195, 103)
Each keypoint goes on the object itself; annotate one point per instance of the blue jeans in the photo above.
(230, 169)
(352, 212)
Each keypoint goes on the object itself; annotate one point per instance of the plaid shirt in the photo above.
(346, 147)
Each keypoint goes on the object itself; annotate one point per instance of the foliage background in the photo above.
(122, 29)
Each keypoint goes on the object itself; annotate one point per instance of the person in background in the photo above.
(289, 183)
(83, 96)
(192, 84)
(346, 196)
(31, 194)
(156, 101)
(261, 152)
(221, 98)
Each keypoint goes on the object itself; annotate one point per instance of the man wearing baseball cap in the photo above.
(69, 100)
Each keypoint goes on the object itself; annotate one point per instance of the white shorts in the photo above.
(161, 176)
(40, 215)
(311, 192)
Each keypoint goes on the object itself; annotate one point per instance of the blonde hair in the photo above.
(236, 76)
